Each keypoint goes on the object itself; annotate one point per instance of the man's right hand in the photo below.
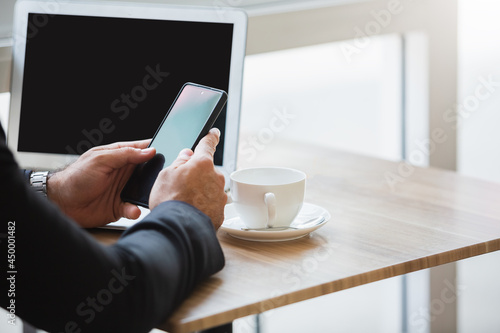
(192, 178)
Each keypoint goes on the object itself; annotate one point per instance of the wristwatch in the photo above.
(38, 181)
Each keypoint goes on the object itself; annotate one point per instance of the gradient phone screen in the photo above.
(186, 119)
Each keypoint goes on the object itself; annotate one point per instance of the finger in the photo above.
(206, 147)
(130, 211)
(182, 158)
(141, 144)
(120, 157)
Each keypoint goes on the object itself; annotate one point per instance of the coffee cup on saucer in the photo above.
(267, 197)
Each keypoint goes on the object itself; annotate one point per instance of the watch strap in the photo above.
(38, 181)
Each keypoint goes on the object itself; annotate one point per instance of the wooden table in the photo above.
(427, 218)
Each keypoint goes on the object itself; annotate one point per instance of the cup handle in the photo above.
(270, 200)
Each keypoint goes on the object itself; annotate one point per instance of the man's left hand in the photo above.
(89, 189)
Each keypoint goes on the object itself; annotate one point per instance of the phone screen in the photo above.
(184, 123)
(190, 117)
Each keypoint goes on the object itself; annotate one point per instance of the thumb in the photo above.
(182, 158)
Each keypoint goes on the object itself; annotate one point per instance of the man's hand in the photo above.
(192, 178)
(89, 189)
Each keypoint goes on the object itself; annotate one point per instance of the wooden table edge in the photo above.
(334, 286)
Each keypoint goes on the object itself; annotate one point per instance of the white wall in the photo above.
(479, 58)
(479, 151)
(352, 105)
(4, 109)
(6, 10)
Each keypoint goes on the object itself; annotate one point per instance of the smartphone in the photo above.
(188, 120)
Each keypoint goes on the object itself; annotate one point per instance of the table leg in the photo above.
(443, 299)
(226, 328)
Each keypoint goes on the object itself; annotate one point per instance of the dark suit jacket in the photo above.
(65, 281)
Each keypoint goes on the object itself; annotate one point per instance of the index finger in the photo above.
(206, 147)
(140, 144)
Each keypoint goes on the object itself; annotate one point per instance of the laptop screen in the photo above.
(95, 80)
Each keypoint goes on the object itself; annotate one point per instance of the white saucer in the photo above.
(233, 225)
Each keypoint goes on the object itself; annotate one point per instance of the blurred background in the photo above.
(371, 96)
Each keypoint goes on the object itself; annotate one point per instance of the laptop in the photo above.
(93, 73)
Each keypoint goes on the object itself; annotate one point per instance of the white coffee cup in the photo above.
(267, 197)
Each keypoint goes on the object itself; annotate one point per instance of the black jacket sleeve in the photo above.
(65, 281)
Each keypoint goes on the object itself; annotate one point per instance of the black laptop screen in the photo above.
(93, 80)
